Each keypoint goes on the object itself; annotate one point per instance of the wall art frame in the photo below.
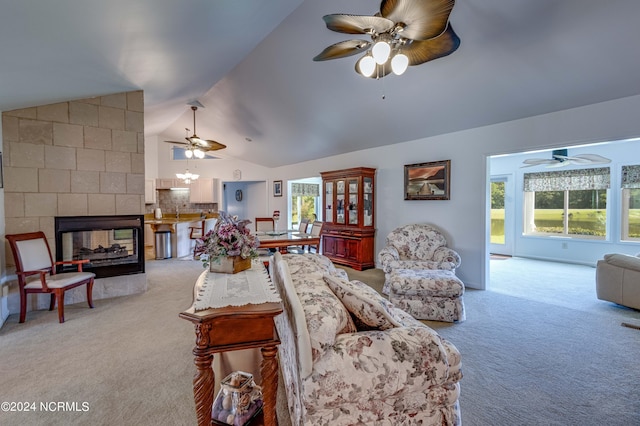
(277, 188)
(428, 181)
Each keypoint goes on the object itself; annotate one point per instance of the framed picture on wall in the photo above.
(277, 188)
(427, 181)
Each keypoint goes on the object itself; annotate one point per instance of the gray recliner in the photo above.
(618, 279)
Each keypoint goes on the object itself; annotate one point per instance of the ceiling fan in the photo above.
(559, 158)
(196, 146)
(403, 33)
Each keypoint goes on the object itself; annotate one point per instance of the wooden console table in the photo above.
(228, 329)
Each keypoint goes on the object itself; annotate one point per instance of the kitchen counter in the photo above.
(171, 219)
(180, 228)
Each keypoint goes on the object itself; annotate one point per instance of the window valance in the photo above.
(581, 179)
(630, 177)
(305, 189)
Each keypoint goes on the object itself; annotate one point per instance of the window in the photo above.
(570, 203)
(497, 211)
(630, 203)
(305, 202)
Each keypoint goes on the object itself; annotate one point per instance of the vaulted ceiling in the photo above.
(250, 63)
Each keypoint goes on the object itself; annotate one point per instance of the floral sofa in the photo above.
(416, 246)
(349, 357)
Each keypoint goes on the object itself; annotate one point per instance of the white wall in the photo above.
(151, 157)
(463, 218)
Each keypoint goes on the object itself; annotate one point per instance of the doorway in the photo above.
(502, 215)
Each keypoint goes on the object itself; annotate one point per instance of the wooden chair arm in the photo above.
(42, 272)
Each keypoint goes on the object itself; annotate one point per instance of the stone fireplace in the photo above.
(80, 158)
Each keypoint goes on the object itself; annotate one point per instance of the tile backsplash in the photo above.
(169, 199)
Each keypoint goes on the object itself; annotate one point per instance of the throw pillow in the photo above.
(366, 304)
(325, 315)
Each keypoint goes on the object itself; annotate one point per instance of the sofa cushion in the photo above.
(366, 304)
(623, 260)
(326, 316)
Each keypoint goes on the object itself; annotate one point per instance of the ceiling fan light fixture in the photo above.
(367, 65)
(399, 63)
(188, 153)
(421, 26)
(187, 177)
(381, 51)
(198, 153)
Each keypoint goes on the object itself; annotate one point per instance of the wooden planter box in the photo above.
(229, 265)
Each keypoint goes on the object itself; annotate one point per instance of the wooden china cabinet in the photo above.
(348, 233)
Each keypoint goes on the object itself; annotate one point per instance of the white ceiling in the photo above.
(250, 63)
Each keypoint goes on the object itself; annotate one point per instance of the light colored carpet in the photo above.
(526, 362)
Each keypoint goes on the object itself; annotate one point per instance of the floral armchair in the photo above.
(416, 246)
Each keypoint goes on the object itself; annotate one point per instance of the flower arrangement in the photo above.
(229, 237)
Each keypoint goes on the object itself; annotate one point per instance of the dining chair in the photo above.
(264, 224)
(302, 229)
(316, 231)
(36, 272)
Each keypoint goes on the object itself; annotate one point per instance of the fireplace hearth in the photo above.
(113, 245)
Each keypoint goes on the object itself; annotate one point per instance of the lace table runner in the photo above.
(252, 286)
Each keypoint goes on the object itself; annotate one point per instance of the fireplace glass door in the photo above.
(112, 247)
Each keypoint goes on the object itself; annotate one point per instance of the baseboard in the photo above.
(551, 259)
(4, 300)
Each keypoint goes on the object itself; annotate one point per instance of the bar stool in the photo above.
(196, 233)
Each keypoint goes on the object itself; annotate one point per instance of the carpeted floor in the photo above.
(528, 359)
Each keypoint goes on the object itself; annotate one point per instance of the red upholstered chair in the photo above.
(36, 272)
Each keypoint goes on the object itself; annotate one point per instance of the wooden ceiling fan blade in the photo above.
(177, 143)
(422, 19)
(357, 24)
(421, 51)
(215, 146)
(205, 144)
(343, 49)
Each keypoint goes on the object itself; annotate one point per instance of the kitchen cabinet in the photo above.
(167, 183)
(204, 190)
(149, 191)
(348, 233)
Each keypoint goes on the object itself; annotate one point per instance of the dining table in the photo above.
(280, 240)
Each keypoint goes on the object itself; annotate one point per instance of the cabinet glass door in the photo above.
(340, 193)
(368, 201)
(328, 197)
(353, 201)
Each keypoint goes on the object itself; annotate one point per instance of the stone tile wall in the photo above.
(76, 158)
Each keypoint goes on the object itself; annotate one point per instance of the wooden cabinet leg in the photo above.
(203, 384)
(269, 372)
